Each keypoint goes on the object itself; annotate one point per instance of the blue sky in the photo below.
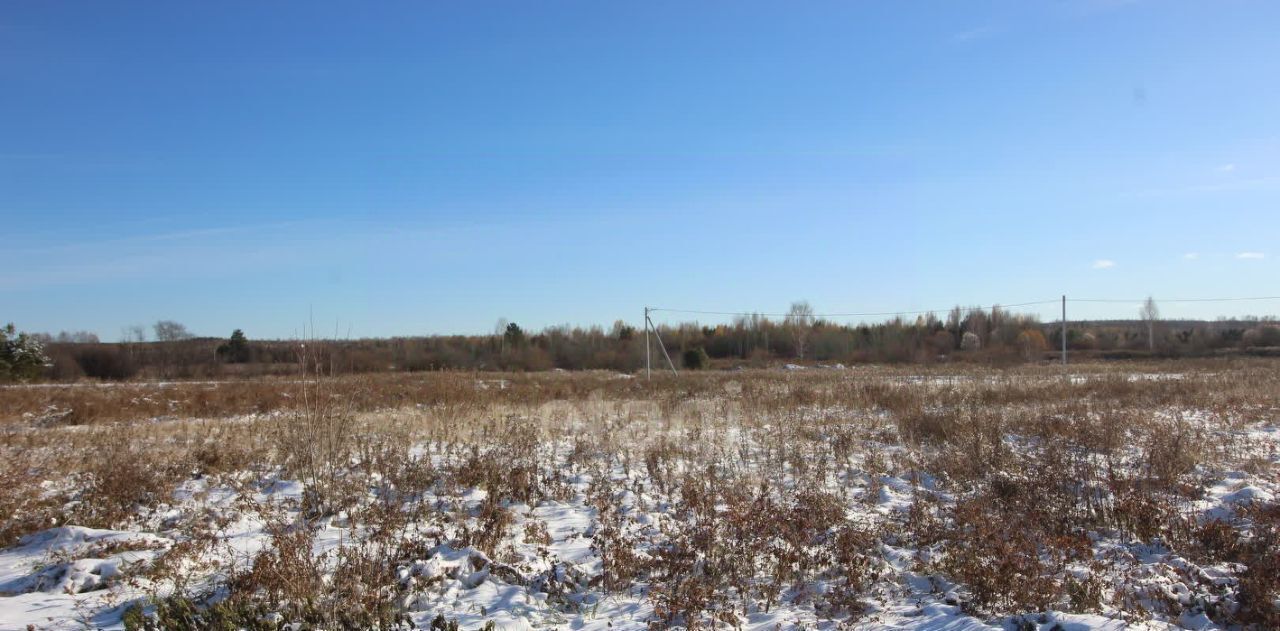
(411, 168)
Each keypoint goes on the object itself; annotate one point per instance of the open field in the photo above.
(1134, 495)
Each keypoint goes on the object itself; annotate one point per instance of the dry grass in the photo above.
(1012, 476)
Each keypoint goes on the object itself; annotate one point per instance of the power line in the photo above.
(648, 323)
(1141, 300)
(841, 315)
(947, 309)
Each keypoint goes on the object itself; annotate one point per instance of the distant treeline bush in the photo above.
(975, 335)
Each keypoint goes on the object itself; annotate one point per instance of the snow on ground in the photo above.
(55, 577)
(71, 577)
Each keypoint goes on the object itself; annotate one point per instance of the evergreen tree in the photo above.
(696, 359)
(21, 356)
(236, 349)
(514, 335)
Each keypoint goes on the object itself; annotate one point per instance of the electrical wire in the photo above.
(839, 315)
(1141, 300)
(925, 311)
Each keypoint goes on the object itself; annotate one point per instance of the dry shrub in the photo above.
(122, 477)
(490, 529)
(975, 444)
(919, 425)
(315, 441)
(855, 556)
(615, 542)
(697, 567)
(24, 504)
(1006, 560)
(398, 481)
(286, 581)
(1009, 542)
(518, 482)
(728, 553)
(1171, 453)
(1260, 582)
(285, 574)
(661, 462)
(741, 466)
(1136, 509)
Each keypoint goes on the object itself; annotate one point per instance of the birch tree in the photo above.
(1150, 313)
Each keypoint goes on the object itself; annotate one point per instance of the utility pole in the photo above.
(661, 345)
(1064, 330)
(648, 372)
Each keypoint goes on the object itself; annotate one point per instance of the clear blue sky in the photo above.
(425, 167)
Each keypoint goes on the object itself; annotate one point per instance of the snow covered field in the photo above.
(757, 500)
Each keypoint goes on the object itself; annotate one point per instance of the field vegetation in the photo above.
(954, 496)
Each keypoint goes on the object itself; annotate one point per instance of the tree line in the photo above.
(974, 334)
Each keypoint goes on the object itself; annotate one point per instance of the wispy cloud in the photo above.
(237, 251)
(1225, 168)
(1191, 256)
(1104, 264)
(193, 253)
(37, 245)
(973, 34)
(1270, 183)
(1093, 7)
(1251, 256)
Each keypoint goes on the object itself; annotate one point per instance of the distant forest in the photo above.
(963, 335)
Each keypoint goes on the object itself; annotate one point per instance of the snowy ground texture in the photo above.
(798, 499)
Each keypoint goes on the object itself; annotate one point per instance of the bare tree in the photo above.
(1150, 313)
(954, 318)
(77, 337)
(500, 331)
(133, 333)
(800, 318)
(170, 331)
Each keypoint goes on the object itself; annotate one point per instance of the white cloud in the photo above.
(1103, 264)
(1226, 168)
(1251, 255)
(1191, 256)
